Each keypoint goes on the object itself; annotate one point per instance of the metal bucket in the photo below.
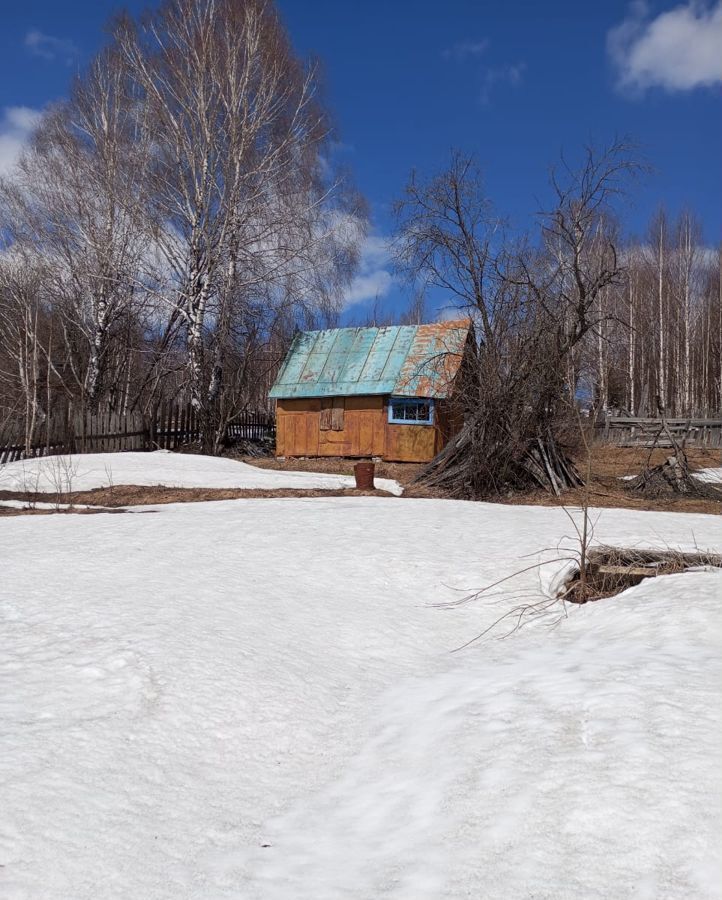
(364, 473)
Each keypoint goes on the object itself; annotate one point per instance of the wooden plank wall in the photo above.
(314, 427)
(411, 443)
(350, 426)
(359, 428)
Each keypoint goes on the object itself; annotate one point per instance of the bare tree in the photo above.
(533, 305)
(22, 354)
(73, 203)
(662, 325)
(236, 187)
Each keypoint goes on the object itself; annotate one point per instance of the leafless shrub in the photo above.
(611, 570)
(61, 471)
(533, 305)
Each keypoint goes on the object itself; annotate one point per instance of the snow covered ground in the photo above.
(37, 504)
(712, 476)
(84, 472)
(257, 699)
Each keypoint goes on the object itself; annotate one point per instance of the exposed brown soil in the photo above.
(614, 462)
(611, 570)
(112, 499)
(606, 489)
(401, 472)
(404, 473)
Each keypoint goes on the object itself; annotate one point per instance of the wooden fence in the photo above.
(252, 426)
(630, 431)
(171, 426)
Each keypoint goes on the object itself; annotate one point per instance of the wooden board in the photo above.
(410, 443)
(351, 426)
(356, 427)
(297, 427)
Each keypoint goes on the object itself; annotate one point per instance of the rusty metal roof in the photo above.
(404, 360)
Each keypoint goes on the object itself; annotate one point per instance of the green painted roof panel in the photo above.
(408, 360)
(336, 361)
(360, 348)
(378, 355)
(296, 358)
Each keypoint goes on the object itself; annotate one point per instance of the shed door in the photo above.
(332, 414)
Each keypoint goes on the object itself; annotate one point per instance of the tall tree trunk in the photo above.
(631, 348)
(661, 322)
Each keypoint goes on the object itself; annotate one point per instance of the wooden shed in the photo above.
(371, 392)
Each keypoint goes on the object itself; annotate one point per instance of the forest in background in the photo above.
(173, 223)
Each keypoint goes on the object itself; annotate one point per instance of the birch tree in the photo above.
(74, 204)
(235, 188)
(22, 355)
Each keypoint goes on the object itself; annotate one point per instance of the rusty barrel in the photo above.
(364, 472)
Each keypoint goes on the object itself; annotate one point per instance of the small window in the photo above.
(411, 411)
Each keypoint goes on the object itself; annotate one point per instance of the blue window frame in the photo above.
(411, 411)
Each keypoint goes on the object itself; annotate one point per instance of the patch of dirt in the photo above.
(404, 473)
(609, 464)
(615, 462)
(134, 495)
(607, 489)
(611, 570)
(610, 496)
(401, 472)
(73, 510)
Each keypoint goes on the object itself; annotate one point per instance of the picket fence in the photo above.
(171, 426)
(634, 431)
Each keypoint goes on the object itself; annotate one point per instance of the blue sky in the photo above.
(513, 82)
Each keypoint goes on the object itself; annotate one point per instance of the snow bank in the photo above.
(713, 476)
(38, 504)
(84, 472)
(256, 699)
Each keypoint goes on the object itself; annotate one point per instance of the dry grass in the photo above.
(124, 495)
(609, 465)
(606, 489)
(614, 462)
(401, 472)
(611, 570)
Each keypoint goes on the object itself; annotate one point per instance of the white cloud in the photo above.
(51, 48)
(677, 50)
(512, 74)
(491, 75)
(374, 278)
(465, 49)
(16, 125)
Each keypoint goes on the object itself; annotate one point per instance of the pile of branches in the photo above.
(611, 570)
(516, 435)
(261, 448)
(472, 466)
(534, 304)
(671, 477)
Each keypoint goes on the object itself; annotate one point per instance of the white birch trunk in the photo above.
(662, 358)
